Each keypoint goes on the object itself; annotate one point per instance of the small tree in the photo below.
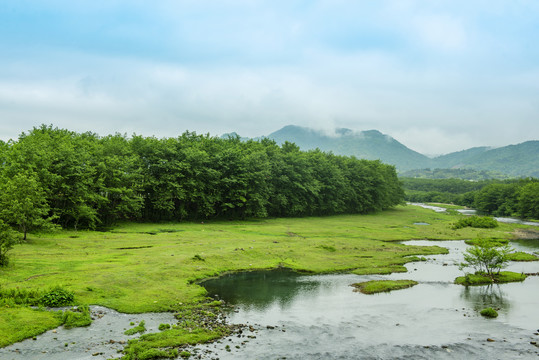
(7, 240)
(23, 203)
(487, 257)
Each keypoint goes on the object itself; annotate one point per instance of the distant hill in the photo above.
(519, 160)
(371, 144)
(514, 160)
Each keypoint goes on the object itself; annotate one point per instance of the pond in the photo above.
(289, 315)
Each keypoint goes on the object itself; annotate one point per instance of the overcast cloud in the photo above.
(439, 76)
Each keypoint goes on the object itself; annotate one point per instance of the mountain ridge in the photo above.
(515, 160)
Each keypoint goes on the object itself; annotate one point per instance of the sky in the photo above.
(438, 76)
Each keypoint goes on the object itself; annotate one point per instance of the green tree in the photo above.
(528, 201)
(7, 240)
(486, 257)
(23, 203)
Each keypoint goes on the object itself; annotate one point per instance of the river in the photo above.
(320, 317)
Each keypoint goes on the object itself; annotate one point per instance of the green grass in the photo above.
(489, 312)
(136, 268)
(483, 279)
(378, 286)
(522, 256)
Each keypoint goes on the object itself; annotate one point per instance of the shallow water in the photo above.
(321, 317)
(101, 340)
(507, 220)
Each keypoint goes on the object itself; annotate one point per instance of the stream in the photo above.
(293, 316)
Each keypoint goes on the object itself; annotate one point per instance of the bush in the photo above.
(489, 312)
(7, 240)
(57, 297)
(483, 222)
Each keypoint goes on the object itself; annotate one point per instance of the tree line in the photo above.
(515, 197)
(82, 180)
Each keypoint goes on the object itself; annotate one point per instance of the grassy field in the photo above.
(154, 267)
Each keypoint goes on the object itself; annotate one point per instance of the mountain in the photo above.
(513, 160)
(371, 145)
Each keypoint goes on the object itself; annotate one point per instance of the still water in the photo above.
(320, 317)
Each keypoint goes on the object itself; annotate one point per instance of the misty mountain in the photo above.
(513, 160)
(371, 145)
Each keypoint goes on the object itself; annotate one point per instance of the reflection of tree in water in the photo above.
(260, 289)
(486, 296)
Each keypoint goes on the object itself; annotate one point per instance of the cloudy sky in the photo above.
(439, 76)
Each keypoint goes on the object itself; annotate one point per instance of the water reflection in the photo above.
(260, 289)
(484, 296)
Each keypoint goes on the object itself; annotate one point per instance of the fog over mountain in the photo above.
(512, 160)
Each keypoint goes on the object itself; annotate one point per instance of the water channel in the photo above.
(297, 316)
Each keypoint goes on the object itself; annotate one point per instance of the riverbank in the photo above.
(136, 268)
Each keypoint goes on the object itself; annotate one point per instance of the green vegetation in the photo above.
(484, 279)
(513, 197)
(77, 317)
(486, 257)
(522, 256)
(377, 286)
(139, 329)
(57, 297)
(7, 240)
(84, 181)
(489, 312)
(474, 221)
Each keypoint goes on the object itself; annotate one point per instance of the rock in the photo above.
(490, 340)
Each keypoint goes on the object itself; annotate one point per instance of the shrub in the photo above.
(489, 312)
(57, 297)
(484, 222)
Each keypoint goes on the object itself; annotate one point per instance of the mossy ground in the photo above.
(137, 268)
(522, 256)
(378, 286)
(483, 279)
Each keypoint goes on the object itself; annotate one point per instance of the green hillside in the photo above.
(371, 145)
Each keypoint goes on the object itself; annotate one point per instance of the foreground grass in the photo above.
(378, 286)
(155, 267)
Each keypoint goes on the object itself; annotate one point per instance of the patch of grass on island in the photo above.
(484, 279)
(522, 256)
(378, 286)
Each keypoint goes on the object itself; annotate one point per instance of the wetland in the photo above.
(304, 309)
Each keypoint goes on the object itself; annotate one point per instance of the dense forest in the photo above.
(52, 176)
(517, 197)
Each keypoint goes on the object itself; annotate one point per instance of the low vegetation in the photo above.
(483, 222)
(135, 267)
(378, 286)
(489, 312)
(485, 279)
(522, 256)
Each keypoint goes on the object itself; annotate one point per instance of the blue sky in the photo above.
(439, 76)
